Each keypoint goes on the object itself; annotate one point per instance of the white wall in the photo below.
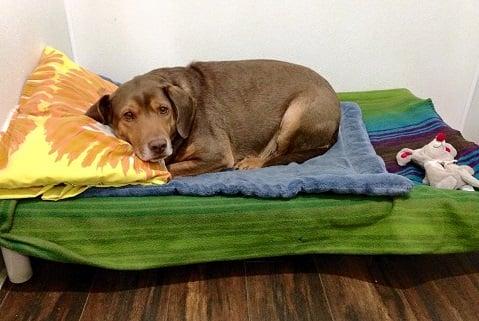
(25, 28)
(431, 47)
(471, 118)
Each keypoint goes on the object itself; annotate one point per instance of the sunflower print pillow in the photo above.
(50, 148)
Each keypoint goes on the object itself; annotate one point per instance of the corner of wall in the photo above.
(473, 92)
(470, 121)
(25, 30)
(71, 35)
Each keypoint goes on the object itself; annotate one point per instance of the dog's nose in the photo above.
(158, 146)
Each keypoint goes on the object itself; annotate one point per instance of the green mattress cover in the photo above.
(147, 232)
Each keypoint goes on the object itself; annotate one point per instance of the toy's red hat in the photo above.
(441, 137)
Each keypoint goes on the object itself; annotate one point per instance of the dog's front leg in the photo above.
(195, 167)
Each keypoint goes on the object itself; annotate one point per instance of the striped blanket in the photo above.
(412, 123)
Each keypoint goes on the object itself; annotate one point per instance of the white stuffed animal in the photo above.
(437, 159)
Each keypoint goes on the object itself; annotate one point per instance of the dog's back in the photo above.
(249, 98)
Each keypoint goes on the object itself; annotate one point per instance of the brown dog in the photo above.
(209, 116)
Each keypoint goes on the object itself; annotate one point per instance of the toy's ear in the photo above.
(451, 150)
(404, 156)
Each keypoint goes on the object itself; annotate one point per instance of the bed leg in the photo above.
(18, 266)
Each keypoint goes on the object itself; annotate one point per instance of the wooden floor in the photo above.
(323, 287)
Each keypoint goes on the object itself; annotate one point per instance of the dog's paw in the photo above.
(250, 162)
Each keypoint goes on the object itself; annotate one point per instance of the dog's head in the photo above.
(148, 113)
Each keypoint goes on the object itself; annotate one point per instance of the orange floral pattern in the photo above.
(11, 140)
(56, 96)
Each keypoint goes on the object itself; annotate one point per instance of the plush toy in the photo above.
(437, 159)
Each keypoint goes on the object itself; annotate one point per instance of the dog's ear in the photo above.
(101, 110)
(185, 109)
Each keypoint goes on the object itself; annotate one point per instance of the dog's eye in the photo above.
(163, 110)
(129, 116)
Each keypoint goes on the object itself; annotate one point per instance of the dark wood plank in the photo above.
(125, 295)
(425, 287)
(444, 287)
(356, 292)
(214, 291)
(150, 299)
(56, 292)
(285, 289)
(3, 293)
(422, 287)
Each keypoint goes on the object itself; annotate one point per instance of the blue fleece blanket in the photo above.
(351, 166)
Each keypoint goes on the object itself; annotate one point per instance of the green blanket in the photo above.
(146, 232)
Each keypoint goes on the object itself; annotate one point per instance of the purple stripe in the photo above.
(404, 128)
(410, 134)
(398, 142)
(474, 163)
(468, 150)
(411, 169)
(467, 156)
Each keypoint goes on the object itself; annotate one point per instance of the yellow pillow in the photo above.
(51, 148)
